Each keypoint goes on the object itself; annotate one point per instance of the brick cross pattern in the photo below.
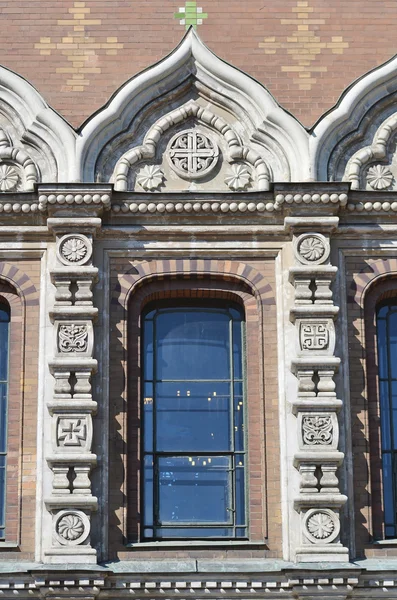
(78, 47)
(304, 46)
(191, 15)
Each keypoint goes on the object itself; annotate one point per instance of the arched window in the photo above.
(4, 358)
(387, 372)
(193, 443)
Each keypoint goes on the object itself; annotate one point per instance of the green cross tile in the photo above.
(190, 15)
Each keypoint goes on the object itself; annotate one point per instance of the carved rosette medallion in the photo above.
(74, 249)
(379, 177)
(238, 177)
(150, 177)
(9, 178)
(317, 430)
(192, 154)
(71, 527)
(321, 526)
(311, 249)
(73, 338)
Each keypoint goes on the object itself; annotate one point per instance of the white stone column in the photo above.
(319, 500)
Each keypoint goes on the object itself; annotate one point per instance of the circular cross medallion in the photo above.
(192, 154)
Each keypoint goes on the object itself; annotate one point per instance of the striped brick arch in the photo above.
(174, 269)
(376, 267)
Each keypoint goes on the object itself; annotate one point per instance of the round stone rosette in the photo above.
(321, 525)
(74, 249)
(311, 249)
(192, 154)
(71, 527)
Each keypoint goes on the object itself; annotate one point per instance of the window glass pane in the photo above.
(237, 350)
(192, 345)
(194, 489)
(2, 489)
(385, 415)
(148, 490)
(392, 333)
(4, 327)
(191, 532)
(388, 499)
(238, 417)
(382, 348)
(148, 416)
(3, 417)
(192, 417)
(240, 490)
(148, 342)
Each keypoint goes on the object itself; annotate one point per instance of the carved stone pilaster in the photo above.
(319, 500)
(72, 407)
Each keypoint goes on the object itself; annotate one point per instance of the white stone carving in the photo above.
(191, 110)
(73, 338)
(238, 177)
(74, 249)
(150, 177)
(379, 177)
(317, 430)
(72, 432)
(192, 154)
(314, 336)
(311, 248)
(71, 527)
(321, 526)
(281, 136)
(9, 178)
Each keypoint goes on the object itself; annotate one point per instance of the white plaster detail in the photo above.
(379, 177)
(238, 177)
(317, 430)
(150, 177)
(203, 115)
(71, 528)
(275, 131)
(321, 526)
(192, 154)
(9, 178)
(72, 338)
(74, 249)
(311, 248)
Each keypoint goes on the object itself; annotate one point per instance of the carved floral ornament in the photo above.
(317, 430)
(311, 248)
(74, 249)
(321, 526)
(71, 527)
(238, 177)
(9, 178)
(192, 154)
(150, 177)
(73, 338)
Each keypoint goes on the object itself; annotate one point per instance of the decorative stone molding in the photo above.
(17, 169)
(72, 407)
(379, 177)
(71, 528)
(71, 198)
(74, 249)
(238, 177)
(192, 154)
(316, 405)
(191, 110)
(150, 177)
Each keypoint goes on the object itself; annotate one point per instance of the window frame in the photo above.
(190, 305)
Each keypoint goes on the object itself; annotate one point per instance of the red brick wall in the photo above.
(305, 51)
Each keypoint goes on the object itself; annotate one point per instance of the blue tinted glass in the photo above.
(147, 411)
(148, 349)
(382, 348)
(148, 489)
(194, 489)
(191, 532)
(192, 345)
(2, 489)
(237, 350)
(388, 500)
(238, 417)
(385, 414)
(193, 416)
(4, 333)
(3, 417)
(392, 332)
(240, 493)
